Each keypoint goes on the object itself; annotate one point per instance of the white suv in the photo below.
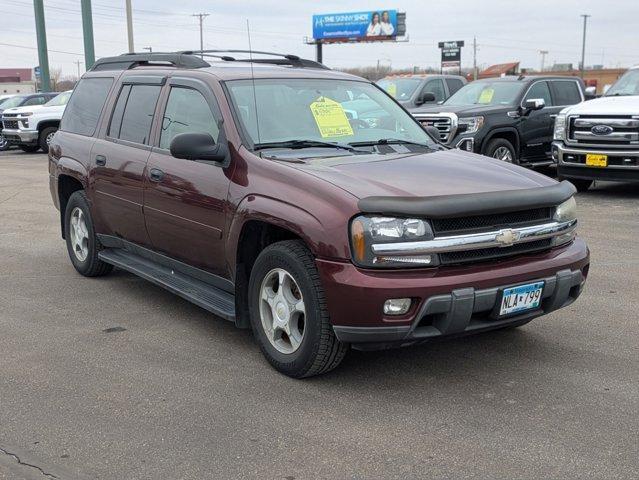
(32, 128)
(599, 139)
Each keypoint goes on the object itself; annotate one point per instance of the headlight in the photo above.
(560, 127)
(565, 212)
(367, 231)
(472, 124)
(26, 114)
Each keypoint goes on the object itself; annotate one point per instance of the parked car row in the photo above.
(532, 121)
(29, 121)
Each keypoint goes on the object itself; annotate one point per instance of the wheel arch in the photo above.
(68, 183)
(48, 123)
(507, 133)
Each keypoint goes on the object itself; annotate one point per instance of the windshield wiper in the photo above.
(305, 144)
(391, 141)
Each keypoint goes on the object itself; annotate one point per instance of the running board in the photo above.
(202, 294)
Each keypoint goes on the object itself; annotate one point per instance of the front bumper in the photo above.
(447, 301)
(623, 165)
(21, 136)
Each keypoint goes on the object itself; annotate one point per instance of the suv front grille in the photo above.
(621, 131)
(452, 258)
(474, 224)
(11, 124)
(442, 123)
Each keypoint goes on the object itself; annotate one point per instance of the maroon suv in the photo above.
(304, 203)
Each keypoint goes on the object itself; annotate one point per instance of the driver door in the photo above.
(537, 126)
(185, 200)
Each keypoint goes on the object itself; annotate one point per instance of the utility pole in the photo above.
(43, 56)
(78, 62)
(201, 17)
(474, 58)
(543, 54)
(129, 25)
(87, 29)
(583, 46)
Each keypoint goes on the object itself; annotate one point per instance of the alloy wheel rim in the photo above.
(503, 153)
(79, 234)
(49, 138)
(282, 311)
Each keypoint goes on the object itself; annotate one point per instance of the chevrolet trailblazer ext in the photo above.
(265, 194)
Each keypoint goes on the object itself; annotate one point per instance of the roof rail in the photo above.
(130, 60)
(286, 59)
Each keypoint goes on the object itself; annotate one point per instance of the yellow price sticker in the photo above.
(391, 89)
(330, 118)
(486, 95)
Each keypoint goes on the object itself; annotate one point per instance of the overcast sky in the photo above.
(506, 30)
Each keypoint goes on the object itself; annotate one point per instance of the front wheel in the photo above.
(4, 143)
(501, 149)
(45, 138)
(289, 316)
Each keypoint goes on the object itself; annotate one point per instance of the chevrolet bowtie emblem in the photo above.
(507, 238)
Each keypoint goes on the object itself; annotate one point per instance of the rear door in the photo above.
(185, 201)
(118, 159)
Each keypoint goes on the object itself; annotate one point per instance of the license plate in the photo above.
(596, 160)
(521, 298)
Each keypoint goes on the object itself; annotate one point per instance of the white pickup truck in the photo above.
(599, 139)
(31, 128)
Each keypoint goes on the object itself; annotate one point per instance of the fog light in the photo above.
(397, 306)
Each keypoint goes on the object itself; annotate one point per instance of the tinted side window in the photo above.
(539, 90)
(436, 87)
(138, 113)
(186, 111)
(83, 110)
(35, 101)
(118, 111)
(454, 84)
(566, 92)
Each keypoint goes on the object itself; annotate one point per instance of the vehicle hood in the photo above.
(627, 105)
(463, 110)
(446, 172)
(31, 108)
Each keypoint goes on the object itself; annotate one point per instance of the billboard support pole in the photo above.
(318, 51)
(43, 56)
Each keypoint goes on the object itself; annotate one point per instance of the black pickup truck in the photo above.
(509, 118)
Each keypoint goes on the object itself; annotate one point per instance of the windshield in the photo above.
(12, 102)
(336, 111)
(487, 93)
(400, 88)
(628, 84)
(61, 99)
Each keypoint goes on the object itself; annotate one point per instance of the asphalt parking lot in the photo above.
(114, 378)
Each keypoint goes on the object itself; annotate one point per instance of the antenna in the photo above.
(257, 120)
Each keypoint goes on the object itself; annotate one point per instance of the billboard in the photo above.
(375, 25)
(451, 53)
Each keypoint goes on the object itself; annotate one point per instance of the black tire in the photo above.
(91, 266)
(4, 144)
(319, 351)
(29, 148)
(499, 143)
(580, 184)
(42, 139)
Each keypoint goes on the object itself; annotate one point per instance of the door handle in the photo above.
(156, 175)
(553, 115)
(100, 160)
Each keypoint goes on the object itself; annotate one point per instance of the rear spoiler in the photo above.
(465, 205)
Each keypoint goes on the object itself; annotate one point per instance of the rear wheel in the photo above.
(45, 137)
(501, 149)
(288, 312)
(29, 148)
(580, 184)
(82, 244)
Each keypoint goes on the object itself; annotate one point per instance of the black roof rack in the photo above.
(130, 60)
(285, 59)
(193, 59)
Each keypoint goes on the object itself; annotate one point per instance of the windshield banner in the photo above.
(357, 25)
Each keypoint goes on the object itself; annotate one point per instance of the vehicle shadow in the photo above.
(612, 189)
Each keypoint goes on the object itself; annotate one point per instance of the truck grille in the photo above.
(442, 123)
(604, 130)
(10, 124)
(492, 222)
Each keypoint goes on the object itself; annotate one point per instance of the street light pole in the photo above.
(583, 46)
(87, 30)
(129, 25)
(43, 56)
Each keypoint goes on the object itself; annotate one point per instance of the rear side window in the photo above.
(133, 113)
(83, 110)
(454, 84)
(566, 92)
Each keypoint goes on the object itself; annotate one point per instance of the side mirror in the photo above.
(433, 132)
(533, 104)
(425, 97)
(197, 146)
(590, 93)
